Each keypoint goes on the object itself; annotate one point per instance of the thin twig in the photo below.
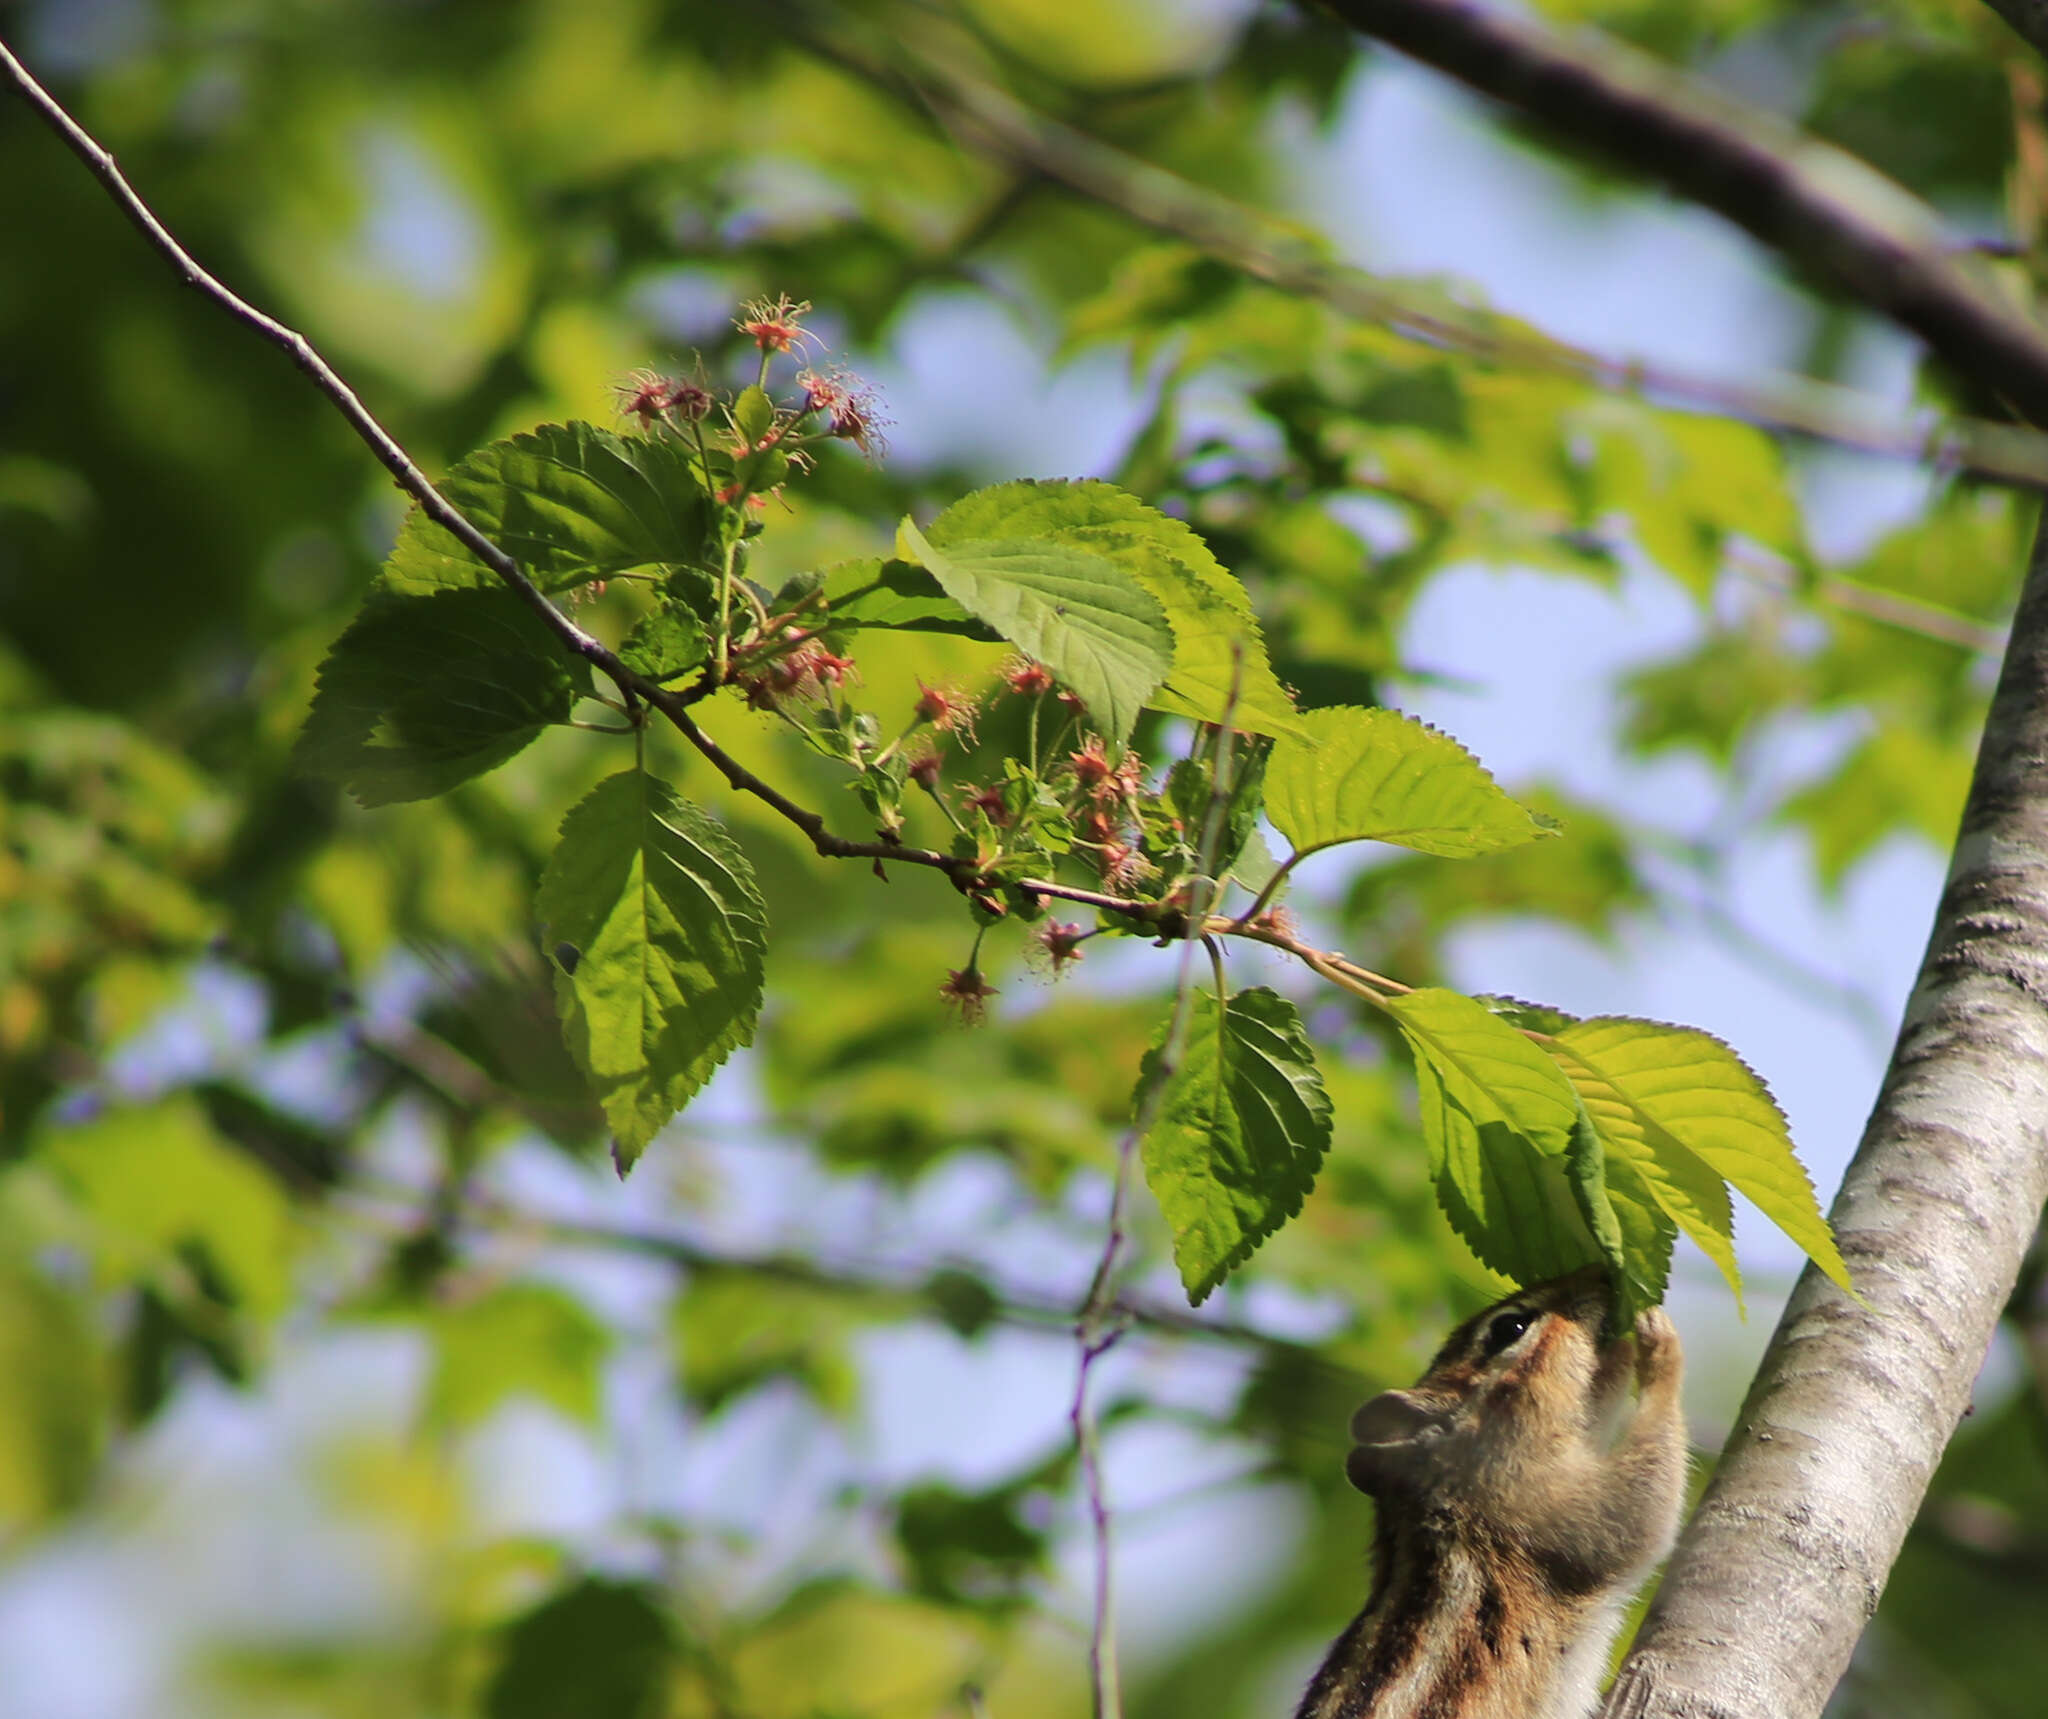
(379, 440)
(634, 688)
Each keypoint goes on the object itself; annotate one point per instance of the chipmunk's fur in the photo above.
(1525, 1487)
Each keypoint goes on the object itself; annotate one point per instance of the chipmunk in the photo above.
(1523, 1493)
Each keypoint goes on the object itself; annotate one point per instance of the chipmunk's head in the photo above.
(1519, 1398)
(1525, 1486)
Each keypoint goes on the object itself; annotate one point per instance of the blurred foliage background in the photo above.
(341, 1377)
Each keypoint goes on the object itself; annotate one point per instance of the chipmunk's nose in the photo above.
(1390, 1418)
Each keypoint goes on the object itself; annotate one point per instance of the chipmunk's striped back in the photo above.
(1523, 1493)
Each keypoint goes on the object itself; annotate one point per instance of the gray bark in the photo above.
(1782, 1565)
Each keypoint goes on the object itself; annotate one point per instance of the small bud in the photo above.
(775, 325)
(689, 401)
(1121, 864)
(1091, 764)
(947, 709)
(991, 804)
(923, 769)
(969, 993)
(647, 397)
(1027, 678)
(849, 407)
(1062, 943)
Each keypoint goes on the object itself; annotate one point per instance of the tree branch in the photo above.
(1814, 204)
(1287, 258)
(633, 687)
(380, 442)
(1782, 1565)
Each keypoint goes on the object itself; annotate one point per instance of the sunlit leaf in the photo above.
(1499, 1118)
(658, 932)
(1687, 1112)
(1093, 624)
(735, 1331)
(665, 644)
(1240, 1132)
(878, 593)
(569, 503)
(155, 1178)
(1356, 775)
(521, 1340)
(1219, 660)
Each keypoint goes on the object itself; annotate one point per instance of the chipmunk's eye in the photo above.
(1504, 1328)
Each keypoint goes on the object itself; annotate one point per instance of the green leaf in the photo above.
(1900, 777)
(1094, 625)
(156, 1178)
(1499, 1120)
(54, 1413)
(568, 502)
(737, 1331)
(424, 692)
(1190, 786)
(1586, 1170)
(1355, 775)
(1630, 1229)
(753, 413)
(522, 1340)
(660, 908)
(1240, 1133)
(892, 593)
(1686, 1112)
(595, 1649)
(665, 644)
(1219, 664)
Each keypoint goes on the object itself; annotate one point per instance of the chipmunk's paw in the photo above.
(1658, 1356)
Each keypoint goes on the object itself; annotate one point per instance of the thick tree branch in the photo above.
(1782, 1566)
(1821, 208)
(1286, 257)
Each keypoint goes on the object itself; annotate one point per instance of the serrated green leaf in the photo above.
(1240, 1132)
(1219, 665)
(521, 1340)
(665, 644)
(896, 594)
(424, 692)
(1586, 1171)
(568, 502)
(1687, 1112)
(1094, 625)
(1498, 1117)
(1632, 1232)
(1530, 1017)
(667, 927)
(1355, 775)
